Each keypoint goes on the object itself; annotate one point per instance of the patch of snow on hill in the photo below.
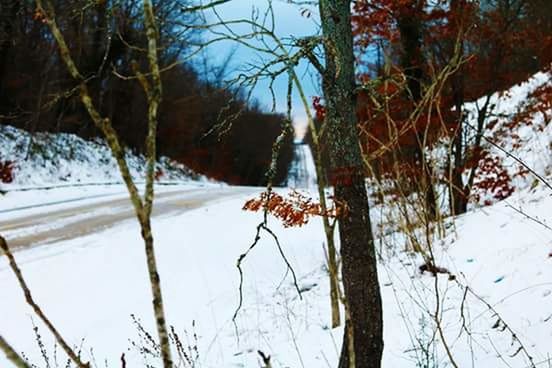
(530, 142)
(49, 159)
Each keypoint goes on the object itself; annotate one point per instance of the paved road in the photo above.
(52, 225)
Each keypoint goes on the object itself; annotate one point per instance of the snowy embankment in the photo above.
(45, 159)
(496, 312)
(65, 170)
(518, 132)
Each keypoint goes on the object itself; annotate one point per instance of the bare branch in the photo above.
(192, 9)
(142, 206)
(38, 311)
(11, 354)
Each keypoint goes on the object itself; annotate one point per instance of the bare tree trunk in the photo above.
(12, 355)
(322, 183)
(154, 93)
(458, 195)
(364, 324)
(412, 60)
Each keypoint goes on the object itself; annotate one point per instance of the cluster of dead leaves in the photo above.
(294, 210)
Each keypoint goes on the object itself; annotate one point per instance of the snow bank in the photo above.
(45, 159)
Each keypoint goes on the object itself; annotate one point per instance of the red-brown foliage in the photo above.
(295, 210)
(6, 172)
(501, 46)
(319, 108)
(492, 180)
(539, 103)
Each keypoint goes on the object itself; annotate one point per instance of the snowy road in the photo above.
(55, 222)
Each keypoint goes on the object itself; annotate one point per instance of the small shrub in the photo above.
(6, 172)
(187, 350)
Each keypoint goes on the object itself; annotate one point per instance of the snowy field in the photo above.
(91, 286)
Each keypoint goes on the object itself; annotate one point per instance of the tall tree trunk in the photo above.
(412, 59)
(322, 183)
(459, 192)
(363, 341)
(329, 231)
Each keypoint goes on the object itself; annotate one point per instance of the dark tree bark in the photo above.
(364, 322)
(459, 192)
(412, 60)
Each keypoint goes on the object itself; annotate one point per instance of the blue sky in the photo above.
(289, 21)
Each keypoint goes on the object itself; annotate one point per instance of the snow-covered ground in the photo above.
(90, 286)
(44, 159)
(531, 141)
(496, 312)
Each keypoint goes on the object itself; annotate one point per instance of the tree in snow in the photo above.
(151, 83)
(363, 341)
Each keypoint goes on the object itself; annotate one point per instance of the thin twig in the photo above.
(534, 219)
(30, 301)
(504, 325)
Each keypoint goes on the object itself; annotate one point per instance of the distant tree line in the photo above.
(107, 41)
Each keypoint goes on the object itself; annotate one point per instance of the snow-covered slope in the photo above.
(90, 287)
(496, 310)
(52, 159)
(518, 130)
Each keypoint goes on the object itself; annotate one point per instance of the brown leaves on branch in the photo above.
(294, 210)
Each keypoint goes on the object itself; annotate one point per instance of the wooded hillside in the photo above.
(108, 43)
